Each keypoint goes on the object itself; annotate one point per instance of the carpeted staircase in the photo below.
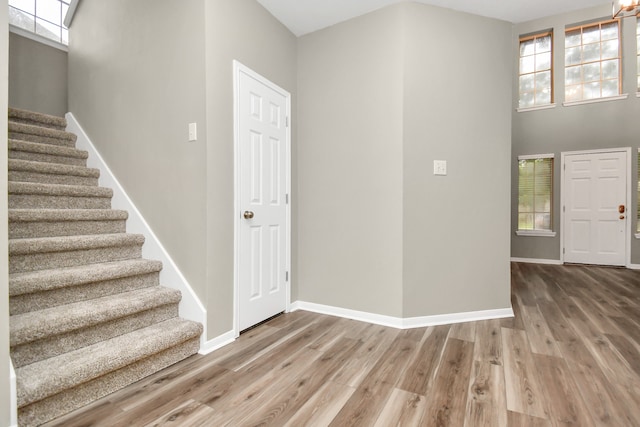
(88, 316)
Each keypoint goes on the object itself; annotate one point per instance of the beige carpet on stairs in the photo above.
(87, 313)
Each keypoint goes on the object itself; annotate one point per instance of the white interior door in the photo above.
(595, 208)
(262, 176)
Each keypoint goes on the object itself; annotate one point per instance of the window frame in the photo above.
(34, 35)
(537, 232)
(638, 51)
(551, 69)
(582, 28)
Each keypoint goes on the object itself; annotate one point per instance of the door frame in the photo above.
(563, 155)
(238, 69)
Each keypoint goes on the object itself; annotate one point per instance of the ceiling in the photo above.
(306, 16)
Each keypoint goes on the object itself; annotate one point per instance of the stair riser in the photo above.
(47, 158)
(38, 201)
(33, 229)
(48, 260)
(53, 346)
(19, 304)
(42, 139)
(36, 123)
(22, 176)
(54, 406)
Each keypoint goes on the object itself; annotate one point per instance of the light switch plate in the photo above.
(193, 132)
(439, 167)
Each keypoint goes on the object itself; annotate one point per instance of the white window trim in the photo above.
(596, 100)
(536, 233)
(537, 107)
(536, 156)
(73, 4)
(38, 38)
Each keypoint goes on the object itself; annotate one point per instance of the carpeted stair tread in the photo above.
(34, 195)
(46, 280)
(41, 134)
(52, 168)
(51, 173)
(48, 377)
(40, 119)
(37, 325)
(41, 215)
(34, 223)
(72, 243)
(26, 150)
(36, 188)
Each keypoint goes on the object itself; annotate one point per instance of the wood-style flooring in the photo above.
(570, 357)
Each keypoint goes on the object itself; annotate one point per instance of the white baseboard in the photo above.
(190, 306)
(363, 316)
(537, 261)
(13, 396)
(403, 323)
(217, 342)
(633, 266)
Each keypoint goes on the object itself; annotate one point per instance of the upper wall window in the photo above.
(42, 17)
(592, 61)
(536, 70)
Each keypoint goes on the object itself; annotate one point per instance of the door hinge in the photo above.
(564, 209)
(287, 198)
(562, 251)
(286, 121)
(287, 276)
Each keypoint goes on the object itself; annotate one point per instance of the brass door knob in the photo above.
(248, 214)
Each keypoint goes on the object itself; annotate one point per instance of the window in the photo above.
(638, 49)
(535, 192)
(41, 17)
(638, 200)
(536, 70)
(592, 61)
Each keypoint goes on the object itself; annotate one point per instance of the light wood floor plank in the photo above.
(447, 401)
(422, 370)
(190, 413)
(402, 409)
(524, 393)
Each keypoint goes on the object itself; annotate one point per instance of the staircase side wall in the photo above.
(190, 306)
(136, 80)
(37, 76)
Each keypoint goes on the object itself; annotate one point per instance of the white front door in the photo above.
(262, 182)
(595, 207)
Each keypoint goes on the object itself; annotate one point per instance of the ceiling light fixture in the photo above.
(624, 8)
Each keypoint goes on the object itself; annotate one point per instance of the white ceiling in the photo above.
(306, 16)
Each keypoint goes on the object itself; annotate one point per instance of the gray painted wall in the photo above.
(456, 108)
(5, 404)
(350, 164)
(245, 31)
(582, 127)
(37, 76)
(379, 99)
(136, 79)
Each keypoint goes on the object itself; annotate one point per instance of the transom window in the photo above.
(536, 70)
(42, 17)
(592, 61)
(638, 49)
(535, 192)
